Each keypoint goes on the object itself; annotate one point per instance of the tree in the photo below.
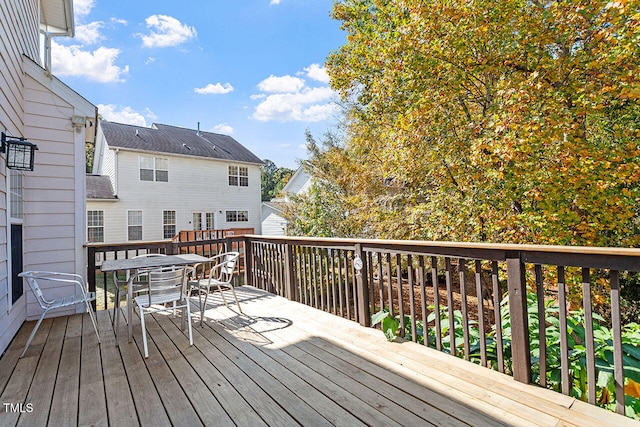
(511, 121)
(273, 179)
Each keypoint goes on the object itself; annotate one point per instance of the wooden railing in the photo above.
(485, 298)
(102, 283)
(472, 300)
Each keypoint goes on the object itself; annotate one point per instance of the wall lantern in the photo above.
(20, 152)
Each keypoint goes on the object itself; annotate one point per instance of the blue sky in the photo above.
(252, 69)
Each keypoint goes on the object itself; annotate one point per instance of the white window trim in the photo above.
(141, 224)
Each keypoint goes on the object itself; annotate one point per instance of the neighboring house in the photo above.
(273, 224)
(165, 179)
(43, 211)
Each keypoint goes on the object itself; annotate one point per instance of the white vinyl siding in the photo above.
(197, 185)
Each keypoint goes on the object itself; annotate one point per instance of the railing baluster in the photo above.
(462, 271)
(480, 304)
(564, 344)
(423, 301)
(542, 326)
(400, 293)
(412, 302)
(616, 327)
(389, 285)
(497, 299)
(452, 326)
(436, 301)
(588, 335)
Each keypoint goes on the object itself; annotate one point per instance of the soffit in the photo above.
(56, 16)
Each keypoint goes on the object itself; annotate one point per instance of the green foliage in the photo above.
(509, 122)
(603, 342)
(273, 179)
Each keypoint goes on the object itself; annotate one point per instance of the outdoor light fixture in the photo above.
(20, 152)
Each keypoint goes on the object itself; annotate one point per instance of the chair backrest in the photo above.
(226, 266)
(166, 280)
(35, 288)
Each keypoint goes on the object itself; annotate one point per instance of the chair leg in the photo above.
(33, 333)
(144, 333)
(93, 320)
(117, 321)
(189, 320)
(203, 307)
(236, 298)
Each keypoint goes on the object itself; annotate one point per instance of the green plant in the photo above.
(576, 339)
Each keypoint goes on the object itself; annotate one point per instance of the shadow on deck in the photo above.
(280, 363)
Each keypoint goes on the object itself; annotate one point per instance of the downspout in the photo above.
(47, 47)
(68, 11)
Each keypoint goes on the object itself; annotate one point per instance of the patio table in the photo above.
(144, 263)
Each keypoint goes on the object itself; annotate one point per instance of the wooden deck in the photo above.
(281, 363)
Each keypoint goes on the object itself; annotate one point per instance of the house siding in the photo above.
(18, 35)
(195, 184)
(54, 214)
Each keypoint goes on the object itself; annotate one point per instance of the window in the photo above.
(169, 224)
(17, 198)
(95, 226)
(210, 218)
(239, 176)
(197, 221)
(237, 216)
(154, 169)
(134, 225)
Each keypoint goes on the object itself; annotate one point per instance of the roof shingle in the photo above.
(176, 140)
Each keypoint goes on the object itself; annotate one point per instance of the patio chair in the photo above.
(217, 272)
(139, 285)
(33, 277)
(164, 286)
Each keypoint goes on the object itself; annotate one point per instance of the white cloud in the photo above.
(126, 115)
(214, 89)
(82, 7)
(98, 65)
(318, 73)
(166, 31)
(287, 84)
(274, 2)
(310, 105)
(89, 33)
(223, 128)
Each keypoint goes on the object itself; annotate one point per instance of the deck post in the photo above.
(290, 284)
(362, 285)
(91, 274)
(520, 346)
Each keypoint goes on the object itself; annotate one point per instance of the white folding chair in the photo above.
(217, 271)
(32, 278)
(164, 286)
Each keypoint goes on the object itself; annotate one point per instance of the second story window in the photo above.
(239, 176)
(154, 169)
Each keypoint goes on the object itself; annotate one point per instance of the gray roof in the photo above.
(99, 187)
(176, 140)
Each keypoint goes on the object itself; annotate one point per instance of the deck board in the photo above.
(280, 363)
